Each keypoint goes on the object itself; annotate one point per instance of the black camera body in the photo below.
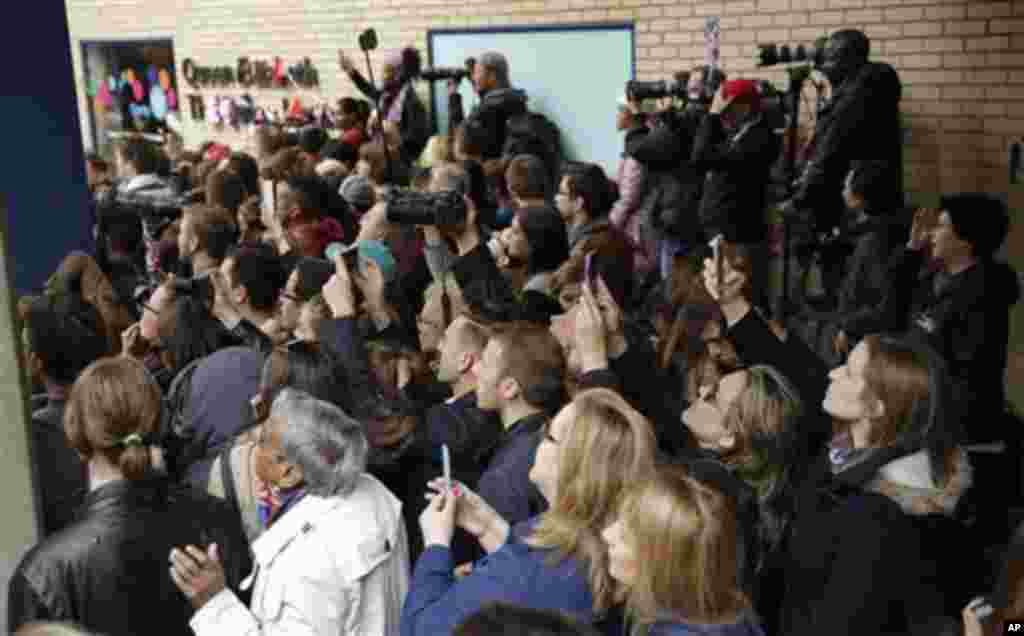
(772, 54)
(442, 73)
(442, 209)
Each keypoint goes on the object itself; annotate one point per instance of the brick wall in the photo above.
(962, 63)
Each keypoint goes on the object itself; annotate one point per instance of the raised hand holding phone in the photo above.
(446, 460)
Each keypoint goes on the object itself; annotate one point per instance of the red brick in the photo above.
(1006, 26)
(904, 14)
(931, 77)
(888, 31)
(962, 124)
(921, 92)
(1016, 77)
(989, 10)
(993, 43)
(845, 4)
(1005, 59)
(792, 19)
(864, 16)
(951, 12)
(678, 38)
(773, 35)
(920, 61)
(708, 9)
(773, 6)
(984, 77)
(922, 29)
(648, 12)
(1005, 92)
(740, 8)
(664, 52)
(648, 39)
(943, 44)
(827, 17)
(990, 109)
(966, 60)
(904, 46)
(963, 92)
(807, 34)
(810, 5)
(755, 21)
(691, 24)
(664, 25)
(966, 27)
(1004, 126)
(681, 11)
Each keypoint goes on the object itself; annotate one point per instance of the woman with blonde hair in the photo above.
(590, 453)
(673, 549)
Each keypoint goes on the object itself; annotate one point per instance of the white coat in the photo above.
(327, 567)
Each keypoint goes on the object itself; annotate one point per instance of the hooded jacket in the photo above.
(493, 113)
(869, 552)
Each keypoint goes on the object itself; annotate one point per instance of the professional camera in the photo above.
(772, 54)
(443, 209)
(443, 73)
(677, 87)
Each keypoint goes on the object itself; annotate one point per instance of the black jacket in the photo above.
(414, 128)
(862, 562)
(61, 475)
(108, 572)
(492, 113)
(861, 121)
(674, 184)
(738, 168)
(967, 320)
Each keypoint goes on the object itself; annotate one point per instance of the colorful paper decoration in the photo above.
(112, 83)
(158, 102)
(165, 80)
(151, 75)
(129, 75)
(103, 96)
(295, 110)
(139, 112)
(138, 92)
(213, 110)
(172, 99)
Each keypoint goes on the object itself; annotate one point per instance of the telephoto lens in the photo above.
(443, 209)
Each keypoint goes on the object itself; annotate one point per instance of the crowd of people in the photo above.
(373, 381)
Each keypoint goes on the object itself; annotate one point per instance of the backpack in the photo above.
(535, 134)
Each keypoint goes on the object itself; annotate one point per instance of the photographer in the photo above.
(396, 99)
(498, 101)
(860, 121)
(736, 147)
(663, 147)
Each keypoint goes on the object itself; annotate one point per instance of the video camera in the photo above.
(443, 73)
(772, 54)
(446, 209)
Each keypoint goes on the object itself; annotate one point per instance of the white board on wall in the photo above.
(574, 74)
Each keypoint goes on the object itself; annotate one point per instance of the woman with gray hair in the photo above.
(334, 559)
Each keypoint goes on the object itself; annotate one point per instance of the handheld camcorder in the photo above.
(442, 73)
(772, 54)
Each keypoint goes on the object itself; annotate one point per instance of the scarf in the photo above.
(272, 502)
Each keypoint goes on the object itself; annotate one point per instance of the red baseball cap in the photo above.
(742, 91)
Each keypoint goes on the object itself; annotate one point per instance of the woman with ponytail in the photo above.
(108, 571)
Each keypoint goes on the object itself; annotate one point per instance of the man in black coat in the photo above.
(498, 102)
(860, 121)
(736, 147)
